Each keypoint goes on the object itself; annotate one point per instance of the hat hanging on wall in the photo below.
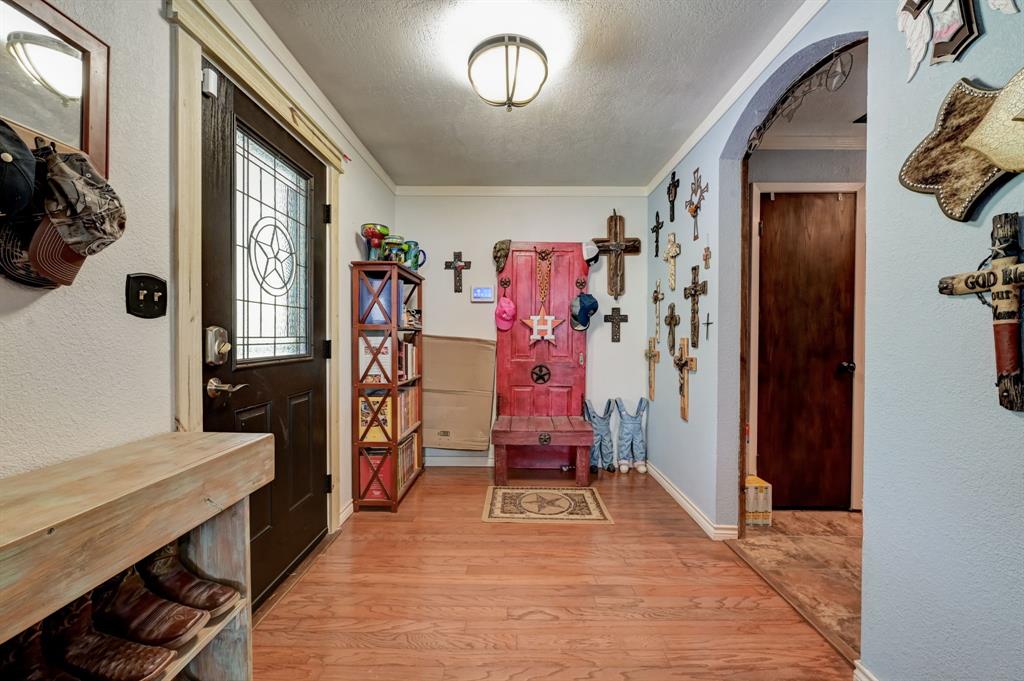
(17, 172)
(591, 253)
(582, 308)
(505, 314)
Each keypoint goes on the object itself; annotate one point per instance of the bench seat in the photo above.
(543, 431)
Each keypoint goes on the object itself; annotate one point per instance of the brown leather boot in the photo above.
(123, 606)
(166, 574)
(99, 657)
(22, 658)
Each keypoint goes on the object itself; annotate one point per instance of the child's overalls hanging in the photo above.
(632, 438)
(602, 452)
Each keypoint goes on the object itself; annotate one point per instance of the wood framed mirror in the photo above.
(53, 74)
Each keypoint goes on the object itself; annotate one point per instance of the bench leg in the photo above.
(500, 466)
(583, 466)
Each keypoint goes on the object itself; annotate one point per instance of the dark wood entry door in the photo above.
(541, 378)
(264, 277)
(805, 353)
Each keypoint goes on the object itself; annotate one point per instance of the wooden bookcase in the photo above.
(68, 528)
(387, 383)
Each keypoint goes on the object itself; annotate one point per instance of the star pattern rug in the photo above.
(545, 505)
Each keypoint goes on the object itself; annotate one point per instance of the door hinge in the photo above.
(327, 213)
(328, 483)
(760, 227)
(327, 349)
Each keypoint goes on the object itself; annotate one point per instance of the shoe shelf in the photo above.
(70, 527)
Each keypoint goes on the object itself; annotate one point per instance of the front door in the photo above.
(805, 348)
(540, 378)
(264, 275)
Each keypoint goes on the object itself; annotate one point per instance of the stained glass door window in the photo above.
(271, 260)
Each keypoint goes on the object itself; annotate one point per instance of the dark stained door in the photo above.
(806, 321)
(264, 273)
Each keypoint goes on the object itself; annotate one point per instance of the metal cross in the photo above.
(684, 365)
(656, 231)
(693, 292)
(673, 191)
(672, 250)
(671, 322)
(617, 319)
(707, 257)
(707, 326)
(656, 298)
(616, 246)
(653, 356)
(457, 264)
(696, 200)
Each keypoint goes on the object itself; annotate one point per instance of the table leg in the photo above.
(583, 466)
(500, 466)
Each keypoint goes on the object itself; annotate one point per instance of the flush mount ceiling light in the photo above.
(508, 70)
(52, 63)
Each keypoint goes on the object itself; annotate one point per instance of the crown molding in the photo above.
(497, 191)
(813, 143)
(796, 23)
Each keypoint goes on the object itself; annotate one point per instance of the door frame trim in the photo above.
(857, 445)
(197, 33)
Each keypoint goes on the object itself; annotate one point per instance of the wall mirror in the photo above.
(53, 76)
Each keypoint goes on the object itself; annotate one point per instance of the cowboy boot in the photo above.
(22, 658)
(125, 607)
(99, 657)
(166, 574)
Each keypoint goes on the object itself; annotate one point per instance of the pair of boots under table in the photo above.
(127, 629)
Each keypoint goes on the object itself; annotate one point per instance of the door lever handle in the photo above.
(215, 386)
(847, 367)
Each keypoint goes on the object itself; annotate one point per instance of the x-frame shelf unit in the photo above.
(387, 408)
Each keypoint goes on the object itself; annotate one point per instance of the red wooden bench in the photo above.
(542, 431)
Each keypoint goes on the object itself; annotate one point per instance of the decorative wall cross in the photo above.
(653, 356)
(671, 322)
(693, 292)
(673, 192)
(684, 365)
(696, 200)
(656, 298)
(707, 257)
(707, 326)
(1004, 278)
(616, 246)
(672, 250)
(656, 231)
(617, 319)
(457, 264)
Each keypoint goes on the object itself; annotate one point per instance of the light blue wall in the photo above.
(943, 590)
(819, 165)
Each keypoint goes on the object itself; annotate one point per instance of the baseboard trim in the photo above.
(346, 513)
(716, 532)
(482, 461)
(861, 673)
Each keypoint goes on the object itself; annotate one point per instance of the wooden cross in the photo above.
(707, 257)
(707, 326)
(672, 250)
(616, 246)
(617, 319)
(696, 200)
(653, 356)
(656, 298)
(693, 292)
(673, 191)
(656, 231)
(457, 264)
(671, 322)
(1004, 278)
(684, 365)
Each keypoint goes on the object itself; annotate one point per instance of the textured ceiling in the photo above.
(631, 79)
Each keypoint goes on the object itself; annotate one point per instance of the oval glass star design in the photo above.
(272, 257)
(542, 326)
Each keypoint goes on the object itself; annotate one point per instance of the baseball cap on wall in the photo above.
(581, 310)
(17, 172)
(505, 314)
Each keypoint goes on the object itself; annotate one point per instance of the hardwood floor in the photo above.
(432, 593)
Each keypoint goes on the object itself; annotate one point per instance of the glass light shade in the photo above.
(50, 62)
(508, 70)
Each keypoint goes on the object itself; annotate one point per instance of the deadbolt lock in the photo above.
(216, 345)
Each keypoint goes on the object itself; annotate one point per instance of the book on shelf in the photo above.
(374, 423)
(407, 459)
(371, 371)
(408, 359)
(375, 478)
(408, 408)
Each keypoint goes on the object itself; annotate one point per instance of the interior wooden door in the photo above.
(519, 360)
(805, 348)
(264, 278)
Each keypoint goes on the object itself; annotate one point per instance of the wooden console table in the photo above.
(542, 431)
(67, 528)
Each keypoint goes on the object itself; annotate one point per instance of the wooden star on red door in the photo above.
(542, 325)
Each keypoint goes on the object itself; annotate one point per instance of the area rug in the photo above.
(545, 505)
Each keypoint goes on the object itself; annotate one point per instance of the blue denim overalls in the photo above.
(632, 437)
(602, 452)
